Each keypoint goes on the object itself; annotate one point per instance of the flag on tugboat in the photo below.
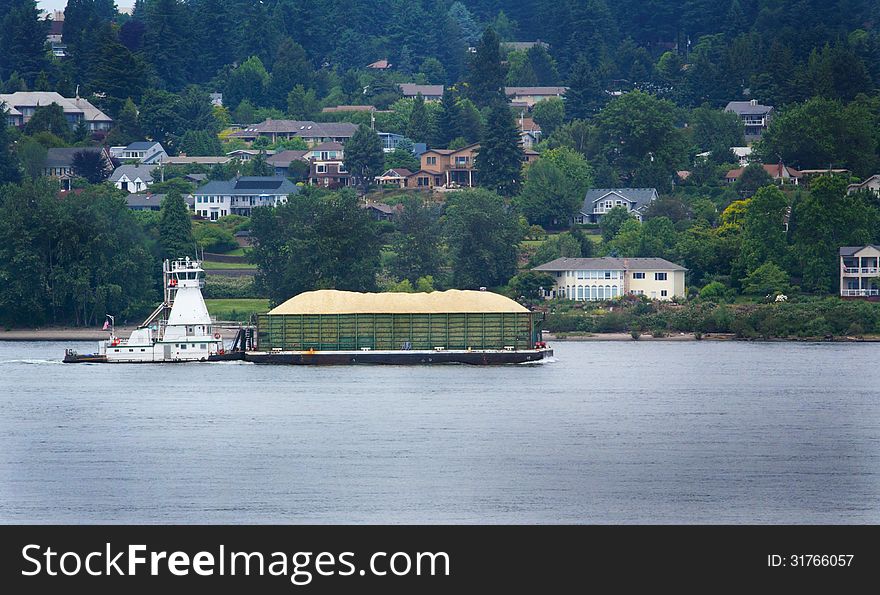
(106, 325)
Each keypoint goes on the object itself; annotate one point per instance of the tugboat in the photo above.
(179, 330)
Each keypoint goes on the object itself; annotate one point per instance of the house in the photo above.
(76, 110)
(312, 133)
(383, 64)
(779, 173)
(599, 201)
(592, 279)
(523, 46)
(859, 271)
(743, 154)
(132, 178)
(59, 163)
(145, 152)
(394, 177)
(245, 155)
(428, 92)
(241, 195)
(329, 173)
(151, 202)
(391, 140)
(872, 184)
(56, 27)
(208, 160)
(755, 117)
(380, 211)
(281, 160)
(328, 151)
(529, 132)
(425, 179)
(456, 167)
(196, 178)
(532, 95)
(348, 108)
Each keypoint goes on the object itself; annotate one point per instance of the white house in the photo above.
(145, 152)
(599, 201)
(872, 184)
(23, 104)
(240, 196)
(859, 271)
(132, 178)
(592, 279)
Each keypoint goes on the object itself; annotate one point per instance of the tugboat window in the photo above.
(183, 345)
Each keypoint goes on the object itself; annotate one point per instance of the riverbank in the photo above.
(704, 337)
(67, 333)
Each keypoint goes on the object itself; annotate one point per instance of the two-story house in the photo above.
(329, 173)
(59, 163)
(23, 104)
(453, 168)
(132, 178)
(428, 92)
(755, 117)
(144, 152)
(282, 159)
(240, 196)
(312, 133)
(594, 279)
(529, 96)
(860, 271)
(599, 201)
(871, 184)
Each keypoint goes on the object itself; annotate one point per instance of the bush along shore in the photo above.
(798, 319)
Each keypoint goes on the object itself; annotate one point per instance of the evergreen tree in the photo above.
(364, 157)
(470, 122)
(499, 160)
(486, 73)
(448, 121)
(543, 65)
(117, 73)
(168, 29)
(585, 95)
(49, 118)
(259, 167)
(291, 68)
(22, 40)
(417, 243)
(8, 160)
(248, 81)
(175, 228)
(419, 126)
(127, 129)
(200, 142)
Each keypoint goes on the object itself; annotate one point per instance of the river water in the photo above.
(609, 432)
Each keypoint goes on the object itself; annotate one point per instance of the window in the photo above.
(659, 276)
(558, 274)
(431, 160)
(663, 293)
(131, 350)
(601, 292)
(614, 291)
(183, 345)
(606, 274)
(210, 199)
(321, 169)
(203, 346)
(342, 169)
(638, 275)
(594, 293)
(608, 204)
(424, 181)
(462, 160)
(142, 350)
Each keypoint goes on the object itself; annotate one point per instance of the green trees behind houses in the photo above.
(175, 228)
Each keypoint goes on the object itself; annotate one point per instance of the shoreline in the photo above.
(88, 334)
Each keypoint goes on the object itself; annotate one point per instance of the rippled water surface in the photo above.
(611, 432)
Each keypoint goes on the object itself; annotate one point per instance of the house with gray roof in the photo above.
(599, 201)
(602, 279)
(132, 178)
(23, 104)
(146, 152)
(59, 163)
(151, 202)
(428, 92)
(312, 133)
(755, 117)
(241, 195)
(860, 272)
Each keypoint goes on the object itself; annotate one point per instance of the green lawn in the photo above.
(216, 266)
(239, 309)
(237, 252)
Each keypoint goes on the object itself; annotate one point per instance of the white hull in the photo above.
(197, 349)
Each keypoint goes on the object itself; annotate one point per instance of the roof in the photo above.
(285, 158)
(529, 125)
(638, 196)
(304, 128)
(141, 145)
(204, 160)
(851, 250)
(41, 98)
(249, 185)
(63, 157)
(144, 200)
(349, 108)
(412, 89)
(144, 172)
(327, 146)
(747, 108)
(535, 90)
(331, 301)
(620, 264)
(773, 169)
(523, 45)
(380, 64)
(380, 206)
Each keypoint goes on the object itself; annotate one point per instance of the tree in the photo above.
(364, 157)
(248, 81)
(49, 118)
(433, 72)
(543, 65)
(90, 165)
(291, 68)
(763, 233)
(554, 187)
(318, 240)
(259, 166)
(302, 103)
(470, 121)
(401, 158)
(754, 176)
(200, 143)
(767, 279)
(167, 29)
(22, 40)
(585, 94)
(159, 118)
(717, 131)
(563, 245)
(127, 129)
(519, 70)
(419, 126)
(575, 135)
(486, 73)
(483, 238)
(499, 160)
(658, 238)
(628, 240)
(8, 159)
(612, 221)
(465, 21)
(175, 228)
(32, 157)
(117, 74)
(531, 285)
(549, 114)
(417, 244)
(448, 120)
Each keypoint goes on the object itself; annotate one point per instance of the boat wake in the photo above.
(540, 362)
(51, 362)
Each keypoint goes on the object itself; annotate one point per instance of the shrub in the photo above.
(217, 287)
(635, 334)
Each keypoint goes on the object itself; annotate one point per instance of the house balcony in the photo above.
(859, 292)
(856, 271)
